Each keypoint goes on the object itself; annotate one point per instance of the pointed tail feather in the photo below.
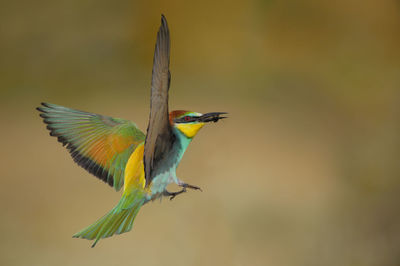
(119, 220)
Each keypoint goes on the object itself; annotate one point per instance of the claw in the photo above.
(184, 185)
(172, 195)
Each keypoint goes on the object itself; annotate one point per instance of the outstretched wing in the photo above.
(159, 136)
(100, 144)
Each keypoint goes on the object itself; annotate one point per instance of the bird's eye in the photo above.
(187, 118)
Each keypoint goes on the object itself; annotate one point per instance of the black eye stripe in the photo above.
(185, 119)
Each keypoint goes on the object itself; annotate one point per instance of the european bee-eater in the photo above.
(117, 152)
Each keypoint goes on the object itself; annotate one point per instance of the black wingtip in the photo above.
(45, 104)
(40, 108)
(164, 22)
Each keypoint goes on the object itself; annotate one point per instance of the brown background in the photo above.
(304, 172)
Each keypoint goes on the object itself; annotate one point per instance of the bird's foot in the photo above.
(172, 195)
(184, 185)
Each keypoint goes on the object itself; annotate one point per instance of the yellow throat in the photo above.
(190, 130)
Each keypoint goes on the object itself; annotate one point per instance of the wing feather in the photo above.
(159, 136)
(100, 144)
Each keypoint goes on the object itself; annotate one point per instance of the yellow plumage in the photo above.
(190, 130)
(134, 170)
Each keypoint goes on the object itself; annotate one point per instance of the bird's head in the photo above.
(189, 123)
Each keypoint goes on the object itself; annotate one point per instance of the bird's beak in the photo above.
(212, 117)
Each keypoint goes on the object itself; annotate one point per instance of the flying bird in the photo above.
(119, 153)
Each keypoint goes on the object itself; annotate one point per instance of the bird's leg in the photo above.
(172, 195)
(184, 185)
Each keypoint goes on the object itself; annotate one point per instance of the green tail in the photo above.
(119, 220)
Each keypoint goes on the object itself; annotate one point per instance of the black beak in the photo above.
(212, 117)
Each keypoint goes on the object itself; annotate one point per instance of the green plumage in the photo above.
(110, 148)
(100, 144)
(119, 220)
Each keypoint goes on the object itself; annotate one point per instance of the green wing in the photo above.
(100, 144)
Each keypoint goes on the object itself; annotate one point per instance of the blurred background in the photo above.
(304, 172)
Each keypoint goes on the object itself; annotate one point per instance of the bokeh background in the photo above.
(304, 172)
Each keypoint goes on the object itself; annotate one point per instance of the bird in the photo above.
(116, 151)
